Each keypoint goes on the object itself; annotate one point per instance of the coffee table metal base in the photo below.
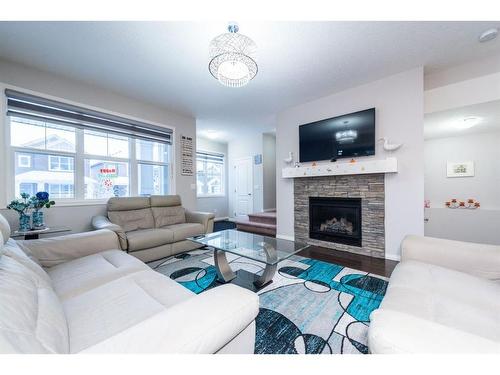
(242, 278)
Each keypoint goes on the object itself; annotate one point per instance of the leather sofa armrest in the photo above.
(204, 218)
(395, 332)
(472, 258)
(102, 222)
(182, 329)
(55, 250)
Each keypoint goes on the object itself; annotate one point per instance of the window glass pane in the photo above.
(40, 176)
(153, 179)
(27, 133)
(60, 138)
(209, 174)
(117, 146)
(105, 179)
(152, 151)
(95, 143)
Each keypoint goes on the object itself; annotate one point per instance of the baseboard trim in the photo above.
(396, 258)
(269, 209)
(283, 237)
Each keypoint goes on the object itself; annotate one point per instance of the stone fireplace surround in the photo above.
(369, 187)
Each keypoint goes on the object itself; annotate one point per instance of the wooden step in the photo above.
(263, 217)
(256, 227)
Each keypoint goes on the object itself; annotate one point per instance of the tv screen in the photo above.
(338, 137)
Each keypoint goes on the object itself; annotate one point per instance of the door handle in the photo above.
(249, 193)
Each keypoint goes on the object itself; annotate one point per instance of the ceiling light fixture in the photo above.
(488, 35)
(232, 58)
(467, 123)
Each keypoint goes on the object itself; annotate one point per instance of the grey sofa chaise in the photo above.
(154, 227)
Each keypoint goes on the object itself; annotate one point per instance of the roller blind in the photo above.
(33, 107)
(209, 156)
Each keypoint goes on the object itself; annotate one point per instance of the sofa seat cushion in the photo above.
(148, 238)
(108, 310)
(449, 298)
(32, 319)
(79, 275)
(185, 230)
(133, 219)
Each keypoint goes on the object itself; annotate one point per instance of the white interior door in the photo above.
(243, 184)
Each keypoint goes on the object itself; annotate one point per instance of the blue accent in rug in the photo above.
(311, 307)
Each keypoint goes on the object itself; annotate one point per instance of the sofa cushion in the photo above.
(108, 310)
(79, 275)
(4, 230)
(128, 203)
(185, 230)
(11, 249)
(147, 238)
(165, 200)
(133, 219)
(446, 297)
(32, 319)
(168, 215)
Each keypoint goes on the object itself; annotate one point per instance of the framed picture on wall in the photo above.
(460, 169)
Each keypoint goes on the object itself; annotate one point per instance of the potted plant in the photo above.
(23, 207)
(39, 201)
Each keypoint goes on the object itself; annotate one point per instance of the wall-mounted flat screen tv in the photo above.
(343, 136)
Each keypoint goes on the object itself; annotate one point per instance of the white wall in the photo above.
(269, 170)
(218, 205)
(247, 146)
(483, 149)
(399, 103)
(28, 79)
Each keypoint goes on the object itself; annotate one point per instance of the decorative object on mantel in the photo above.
(297, 164)
(40, 200)
(390, 146)
(427, 203)
(471, 204)
(289, 159)
(460, 169)
(389, 165)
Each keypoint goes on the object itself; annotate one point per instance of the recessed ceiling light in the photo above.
(488, 35)
(467, 123)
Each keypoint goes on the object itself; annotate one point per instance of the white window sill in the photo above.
(74, 202)
(211, 196)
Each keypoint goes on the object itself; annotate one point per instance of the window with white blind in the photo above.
(74, 153)
(210, 178)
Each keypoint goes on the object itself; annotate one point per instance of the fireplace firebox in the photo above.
(335, 220)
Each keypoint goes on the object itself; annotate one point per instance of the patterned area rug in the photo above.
(310, 307)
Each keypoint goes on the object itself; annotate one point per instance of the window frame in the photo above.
(79, 160)
(22, 165)
(223, 175)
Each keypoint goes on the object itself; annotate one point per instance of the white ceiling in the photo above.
(165, 63)
(443, 124)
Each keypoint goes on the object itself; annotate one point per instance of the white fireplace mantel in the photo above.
(389, 165)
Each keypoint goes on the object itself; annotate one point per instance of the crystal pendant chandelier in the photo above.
(232, 58)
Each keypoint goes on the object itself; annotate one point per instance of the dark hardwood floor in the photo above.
(382, 267)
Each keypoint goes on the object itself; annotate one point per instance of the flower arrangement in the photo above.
(455, 203)
(28, 204)
(23, 207)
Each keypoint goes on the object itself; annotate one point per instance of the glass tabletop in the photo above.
(263, 249)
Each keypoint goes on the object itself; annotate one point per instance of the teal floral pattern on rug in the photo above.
(311, 307)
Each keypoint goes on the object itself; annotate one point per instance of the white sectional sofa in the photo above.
(444, 297)
(78, 294)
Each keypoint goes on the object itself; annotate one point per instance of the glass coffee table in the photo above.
(266, 250)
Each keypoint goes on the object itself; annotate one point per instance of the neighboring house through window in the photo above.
(210, 174)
